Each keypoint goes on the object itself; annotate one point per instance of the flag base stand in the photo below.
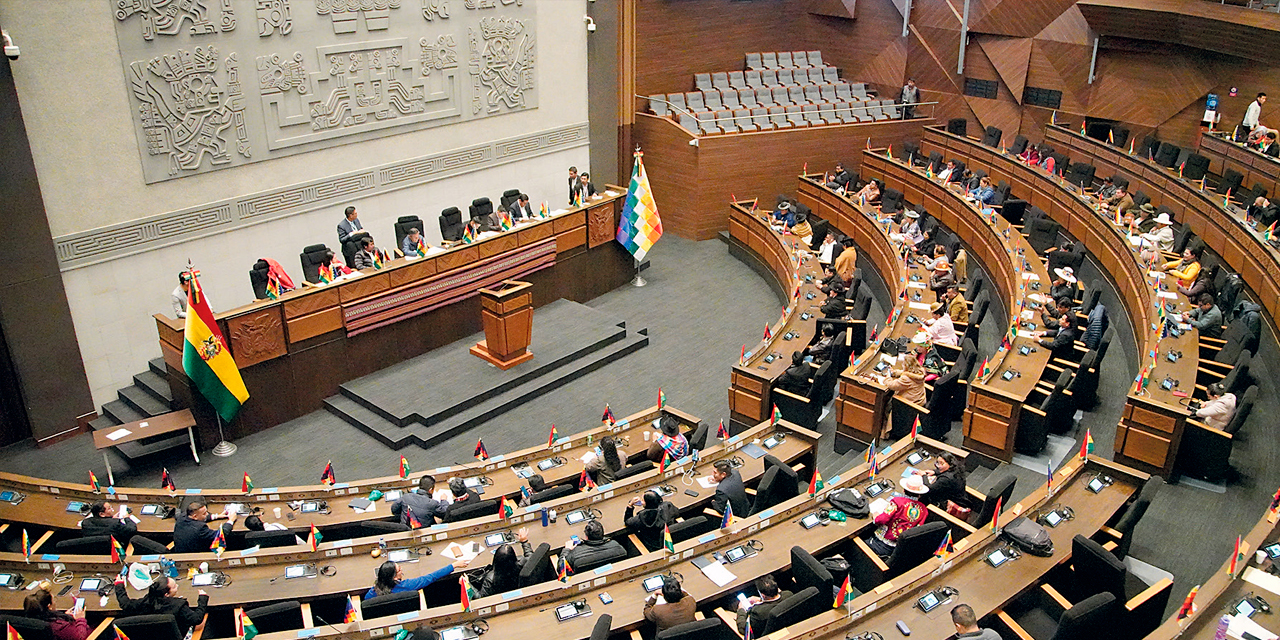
(639, 280)
(223, 449)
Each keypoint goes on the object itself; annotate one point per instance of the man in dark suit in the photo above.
(584, 188)
(729, 489)
(350, 228)
(1263, 211)
(520, 209)
(1269, 145)
(191, 534)
(756, 609)
(573, 183)
(103, 520)
(796, 378)
(367, 256)
(462, 497)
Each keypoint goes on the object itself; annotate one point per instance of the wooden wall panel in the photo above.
(1018, 17)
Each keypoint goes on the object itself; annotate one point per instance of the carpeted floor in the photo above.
(700, 306)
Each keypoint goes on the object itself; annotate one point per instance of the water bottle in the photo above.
(382, 543)
(168, 568)
(1223, 623)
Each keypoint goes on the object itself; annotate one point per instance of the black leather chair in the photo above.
(698, 440)
(1089, 619)
(1090, 296)
(382, 527)
(1084, 384)
(30, 628)
(1240, 377)
(88, 546)
(551, 493)
(1019, 145)
(1000, 493)
(349, 250)
(712, 628)
(403, 225)
(310, 258)
(957, 126)
(807, 571)
(1148, 147)
(602, 628)
(1119, 135)
(917, 544)
(281, 616)
(1073, 257)
(1036, 422)
(935, 161)
(1013, 210)
(258, 279)
(1061, 162)
(631, 470)
(861, 304)
(146, 546)
(777, 485)
(1239, 337)
(803, 410)
(911, 149)
(620, 554)
(801, 606)
(1230, 182)
(480, 207)
(1196, 167)
(1095, 570)
(1081, 174)
(1167, 155)
(692, 527)
(1206, 452)
(974, 287)
(477, 510)
(152, 627)
(992, 136)
(537, 568)
(1132, 515)
(891, 201)
(270, 539)
(1042, 233)
(388, 605)
(451, 224)
(509, 196)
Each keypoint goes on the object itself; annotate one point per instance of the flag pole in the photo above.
(223, 449)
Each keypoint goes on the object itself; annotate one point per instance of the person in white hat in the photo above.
(909, 230)
(940, 328)
(902, 513)
(1064, 285)
(1160, 238)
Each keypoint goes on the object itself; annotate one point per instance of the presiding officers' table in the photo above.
(294, 352)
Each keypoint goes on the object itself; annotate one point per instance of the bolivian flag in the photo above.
(205, 358)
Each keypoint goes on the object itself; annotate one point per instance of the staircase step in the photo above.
(140, 448)
(142, 401)
(121, 412)
(102, 422)
(157, 365)
(371, 422)
(156, 385)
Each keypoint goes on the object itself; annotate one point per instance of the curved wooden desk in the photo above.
(1151, 426)
(1255, 166)
(294, 352)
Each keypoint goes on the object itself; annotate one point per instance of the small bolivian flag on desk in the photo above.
(205, 357)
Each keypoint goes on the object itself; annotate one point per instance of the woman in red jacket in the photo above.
(39, 605)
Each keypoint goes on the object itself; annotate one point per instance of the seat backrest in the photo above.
(161, 626)
(258, 279)
(764, 97)
(552, 493)
(389, 605)
(604, 624)
(815, 58)
(537, 567)
(1196, 166)
(693, 100)
(796, 608)
(769, 77)
(712, 628)
(915, 545)
(991, 137)
(481, 207)
(784, 59)
(268, 539)
(1087, 619)
(760, 118)
(737, 80)
(676, 99)
(813, 93)
(752, 78)
(690, 528)
(719, 80)
(281, 616)
(28, 628)
(698, 440)
(702, 81)
(1019, 144)
(477, 510)
(830, 74)
(729, 97)
(632, 470)
(1239, 379)
(754, 61)
(310, 259)
(1244, 407)
(1230, 181)
(748, 97)
(861, 304)
(689, 123)
(382, 527)
(1096, 570)
(1000, 492)
(770, 59)
(88, 545)
(808, 572)
(796, 95)
(1167, 155)
(782, 485)
(405, 223)
(146, 545)
(619, 553)
(778, 116)
(509, 196)
(711, 99)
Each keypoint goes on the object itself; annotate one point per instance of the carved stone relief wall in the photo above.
(315, 73)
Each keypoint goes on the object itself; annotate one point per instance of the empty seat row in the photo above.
(784, 59)
(715, 99)
(787, 117)
(762, 79)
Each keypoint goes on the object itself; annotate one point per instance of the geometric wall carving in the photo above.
(97, 245)
(306, 75)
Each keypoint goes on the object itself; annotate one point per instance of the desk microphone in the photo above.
(322, 621)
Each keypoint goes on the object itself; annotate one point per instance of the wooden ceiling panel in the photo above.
(938, 14)
(1209, 26)
(1002, 113)
(1146, 89)
(1018, 17)
(836, 8)
(1070, 27)
(1010, 57)
(889, 69)
(1072, 64)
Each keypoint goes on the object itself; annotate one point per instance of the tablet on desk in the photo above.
(575, 517)
(393, 495)
(739, 552)
(150, 509)
(1245, 608)
(875, 490)
(928, 602)
(92, 584)
(203, 579)
(653, 583)
(1096, 485)
(310, 507)
(997, 557)
(772, 442)
(10, 580)
(1273, 551)
(459, 633)
(810, 521)
(75, 507)
(8, 496)
(299, 571)
(1052, 519)
(547, 464)
(566, 611)
(402, 555)
(917, 457)
(495, 539)
(471, 483)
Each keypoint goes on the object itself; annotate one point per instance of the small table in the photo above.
(154, 426)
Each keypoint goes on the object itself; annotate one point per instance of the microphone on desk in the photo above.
(322, 621)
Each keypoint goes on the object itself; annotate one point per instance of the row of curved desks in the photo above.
(1222, 228)
(1255, 166)
(1151, 426)
(294, 352)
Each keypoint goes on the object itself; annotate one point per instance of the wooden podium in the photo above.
(507, 311)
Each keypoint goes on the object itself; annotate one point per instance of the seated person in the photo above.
(368, 255)
(847, 261)
(1206, 317)
(1030, 155)
(1064, 285)
(1267, 145)
(585, 188)
(334, 263)
(821, 350)
(669, 442)
(957, 308)
(870, 193)
(909, 230)
(604, 468)
(475, 227)
(902, 513)
(908, 382)
(1202, 284)
(390, 578)
(413, 246)
(941, 278)
(840, 179)
(424, 507)
(757, 608)
(490, 221)
(984, 193)
(949, 173)
(1063, 342)
(939, 254)
(104, 520)
(254, 523)
(834, 306)
(593, 547)
(1187, 268)
(1140, 220)
(1262, 212)
(827, 250)
(1107, 189)
(796, 378)
(945, 481)
(1216, 413)
(192, 535)
(536, 484)
(504, 574)
(729, 489)
(966, 622)
(1119, 201)
(521, 209)
(928, 246)
(462, 497)
(1160, 239)
(783, 213)
(650, 523)
(1049, 315)
(802, 229)
(65, 626)
(671, 607)
(939, 327)
(162, 598)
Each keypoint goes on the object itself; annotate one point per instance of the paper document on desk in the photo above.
(1168, 294)
(1028, 314)
(117, 434)
(720, 575)
(878, 506)
(916, 285)
(1155, 274)
(1030, 276)
(918, 305)
(1240, 625)
(611, 193)
(707, 482)
(465, 551)
(1262, 579)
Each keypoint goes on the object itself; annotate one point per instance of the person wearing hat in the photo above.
(909, 229)
(908, 382)
(902, 513)
(941, 277)
(1187, 268)
(801, 228)
(784, 214)
(1160, 239)
(1107, 189)
(939, 328)
(1064, 285)
(1120, 200)
(1142, 218)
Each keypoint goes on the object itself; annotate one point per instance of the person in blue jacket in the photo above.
(391, 578)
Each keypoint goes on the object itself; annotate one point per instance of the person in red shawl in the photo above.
(902, 513)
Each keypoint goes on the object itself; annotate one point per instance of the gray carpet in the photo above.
(700, 306)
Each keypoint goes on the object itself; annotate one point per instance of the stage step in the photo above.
(156, 385)
(157, 366)
(142, 401)
(425, 436)
(148, 396)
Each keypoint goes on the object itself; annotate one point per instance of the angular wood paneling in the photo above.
(1009, 57)
(1018, 17)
